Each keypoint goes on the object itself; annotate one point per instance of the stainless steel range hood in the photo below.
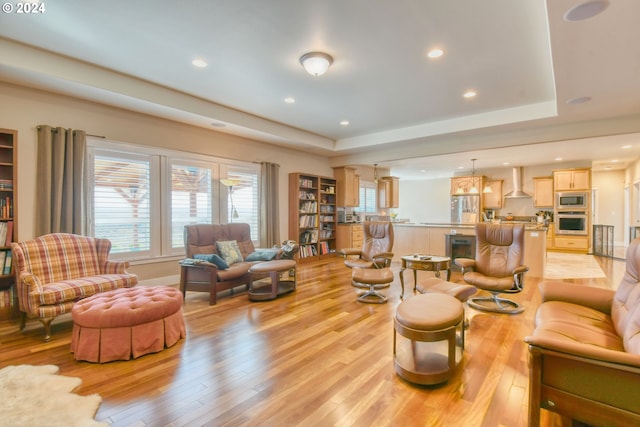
(517, 192)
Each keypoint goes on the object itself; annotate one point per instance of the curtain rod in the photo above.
(261, 163)
(55, 129)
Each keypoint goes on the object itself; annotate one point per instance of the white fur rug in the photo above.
(36, 396)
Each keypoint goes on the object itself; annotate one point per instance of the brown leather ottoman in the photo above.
(127, 322)
(372, 277)
(278, 286)
(427, 350)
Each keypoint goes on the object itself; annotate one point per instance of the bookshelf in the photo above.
(8, 192)
(313, 215)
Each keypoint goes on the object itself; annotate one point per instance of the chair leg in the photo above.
(495, 304)
(47, 328)
(372, 296)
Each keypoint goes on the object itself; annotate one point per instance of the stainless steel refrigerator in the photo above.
(465, 209)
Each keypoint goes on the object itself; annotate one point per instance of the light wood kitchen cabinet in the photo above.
(348, 184)
(388, 192)
(492, 200)
(464, 184)
(349, 236)
(543, 192)
(572, 179)
(571, 243)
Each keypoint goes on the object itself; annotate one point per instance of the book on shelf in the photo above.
(6, 233)
(9, 234)
(6, 184)
(7, 263)
(305, 182)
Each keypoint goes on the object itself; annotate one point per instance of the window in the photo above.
(191, 199)
(242, 198)
(121, 201)
(141, 198)
(368, 197)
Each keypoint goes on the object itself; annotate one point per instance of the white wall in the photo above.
(23, 109)
(608, 190)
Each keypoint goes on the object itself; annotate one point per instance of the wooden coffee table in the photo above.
(424, 263)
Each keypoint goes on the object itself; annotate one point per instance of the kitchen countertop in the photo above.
(527, 225)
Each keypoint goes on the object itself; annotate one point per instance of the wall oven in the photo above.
(572, 200)
(571, 222)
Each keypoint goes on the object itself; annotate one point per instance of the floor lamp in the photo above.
(227, 182)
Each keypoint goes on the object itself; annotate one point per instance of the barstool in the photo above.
(425, 348)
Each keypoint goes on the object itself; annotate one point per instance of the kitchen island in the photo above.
(431, 239)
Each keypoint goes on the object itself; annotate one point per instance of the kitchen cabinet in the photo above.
(543, 192)
(493, 199)
(348, 184)
(466, 184)
(571, 243)
(349, 236)
(388, 192)
(572, 179)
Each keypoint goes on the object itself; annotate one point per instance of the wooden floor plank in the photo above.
(315, 357)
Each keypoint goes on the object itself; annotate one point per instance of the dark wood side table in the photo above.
(200, 277)
(424, 263)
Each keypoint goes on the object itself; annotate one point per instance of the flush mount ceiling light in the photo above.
(585, 10)
(316, 63)
(435, 53)
(199, 62)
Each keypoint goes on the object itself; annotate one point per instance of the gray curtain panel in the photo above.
(60, 181)
(269, 216)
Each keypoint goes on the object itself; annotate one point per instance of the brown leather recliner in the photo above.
(376, 247)
(376, 255)
(584, 354)
(497, 267)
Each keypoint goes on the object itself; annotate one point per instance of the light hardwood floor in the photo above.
(316, 357)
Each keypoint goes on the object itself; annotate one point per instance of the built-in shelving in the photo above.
(313, 215)
(8, 192)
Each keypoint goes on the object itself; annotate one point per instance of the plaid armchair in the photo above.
(56, 270)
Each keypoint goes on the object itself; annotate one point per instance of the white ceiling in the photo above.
(406, 112)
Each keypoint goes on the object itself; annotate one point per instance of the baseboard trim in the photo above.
(162, 281)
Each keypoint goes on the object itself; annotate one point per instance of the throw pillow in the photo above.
(213, 259)
(262, 255)
(229, 251)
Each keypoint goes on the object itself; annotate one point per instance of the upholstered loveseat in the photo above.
(585, 351)
(202, 241)
(56, 270)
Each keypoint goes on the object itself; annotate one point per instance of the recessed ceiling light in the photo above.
(506, 163)
(585, 10)
(469, 94)
(625, 147)
(557, 159)
(289, 100)
(615, 161)
(345, 123)
(578, 100)
(435, 53)
(199, 62)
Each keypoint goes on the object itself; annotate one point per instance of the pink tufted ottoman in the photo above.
(119, 324)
